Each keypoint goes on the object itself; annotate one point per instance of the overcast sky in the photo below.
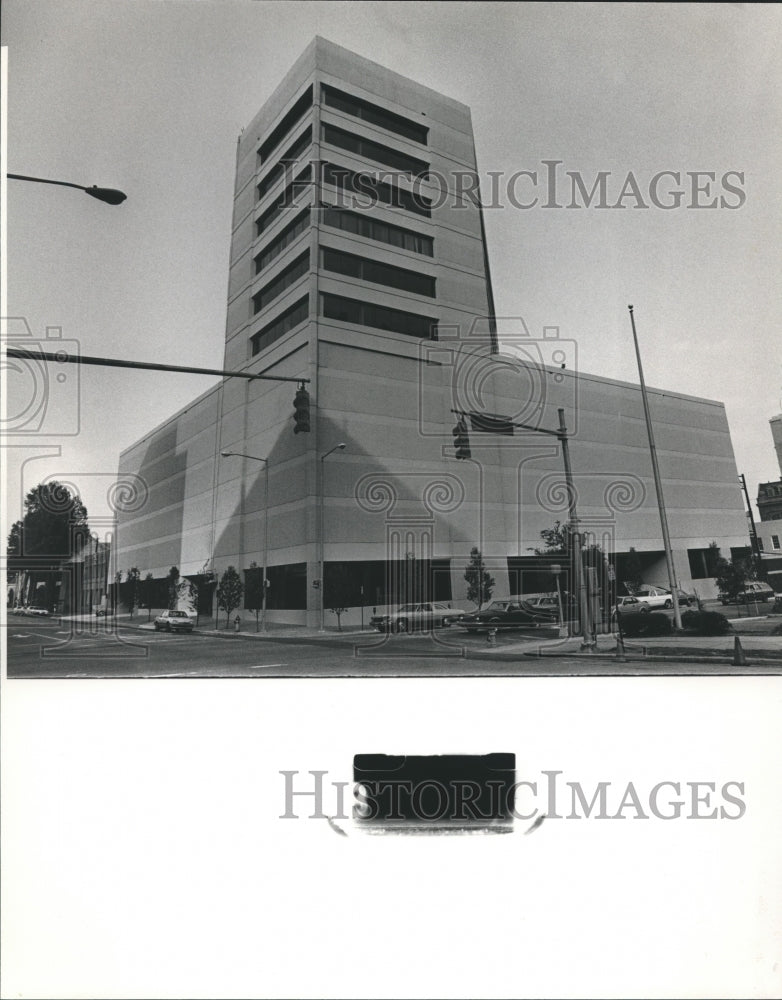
(150, 97)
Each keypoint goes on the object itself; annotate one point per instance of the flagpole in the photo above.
(677, 618)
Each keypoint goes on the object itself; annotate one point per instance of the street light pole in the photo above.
(677, 618)
(576, 545)
(321, 526)
(110, 195)
(256, 458)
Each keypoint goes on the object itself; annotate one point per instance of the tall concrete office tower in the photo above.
(357, 236)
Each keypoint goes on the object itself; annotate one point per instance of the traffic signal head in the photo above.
(301, 410)
(462, 439)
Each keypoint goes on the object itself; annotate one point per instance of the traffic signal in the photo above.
(301, 410)
(461, 439)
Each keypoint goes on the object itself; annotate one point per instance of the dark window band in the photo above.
(286, 162)
(283, 281)
(378, 192)
(374, 114)
(288, 235)
(379, 317)
(287, 200)
(374, 229)
(374, 151)
(378, 272)
(286, 321)
(293, 117)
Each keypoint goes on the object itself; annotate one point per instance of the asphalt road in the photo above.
(40, 648)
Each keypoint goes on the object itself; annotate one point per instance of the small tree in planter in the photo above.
(479, 583)
(340, 588)
(147, 590)
(133, 580)
(173, 582)
(229, 593)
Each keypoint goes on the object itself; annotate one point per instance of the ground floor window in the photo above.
(373, 583)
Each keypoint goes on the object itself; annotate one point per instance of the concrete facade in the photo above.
(388, 321)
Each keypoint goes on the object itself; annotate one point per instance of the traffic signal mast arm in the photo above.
(60, 357)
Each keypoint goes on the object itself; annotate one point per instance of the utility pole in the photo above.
(753, 535)
(677, 617)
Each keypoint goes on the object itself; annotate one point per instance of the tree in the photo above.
(479, 583)
(340, 589)
(633, 571)
(557, 540)
(133, 580)
(229, 592)
(54, 523)
(173, 582)
(730, 577)
(15, 539)
(147, 587)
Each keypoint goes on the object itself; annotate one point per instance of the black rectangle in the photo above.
(447, 790)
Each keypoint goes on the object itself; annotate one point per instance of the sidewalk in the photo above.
(756, 648)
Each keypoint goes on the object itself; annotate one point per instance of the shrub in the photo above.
(646, 624)
(706, 622)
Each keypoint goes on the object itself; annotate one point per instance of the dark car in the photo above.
(507, 614)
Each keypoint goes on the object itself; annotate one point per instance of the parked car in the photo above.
(37, 612)
(542, 602)
(174, 621)
(756, 591)
(661, 597)
(409, 617)
(508, 614)
(630, 606)
(99, 610)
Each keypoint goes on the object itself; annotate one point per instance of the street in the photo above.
(51, 649)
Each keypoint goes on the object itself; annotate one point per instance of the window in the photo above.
(288, 235)
(380, 274)
(288, 160)
(285, 321)
(775, 541)
(287, 200)
(378, 191)
(380, 317)
(293, 117)
(374, 151)
(388, 120)
(383, 232)
(703, 562)
(284, 280)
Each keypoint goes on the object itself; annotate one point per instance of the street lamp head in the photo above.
(110, 195)
(341, 446)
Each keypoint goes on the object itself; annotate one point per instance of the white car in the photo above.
(37, 612)
(661, 597)
(409, 617)
(174, 621)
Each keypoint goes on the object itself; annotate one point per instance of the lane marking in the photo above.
(261, 666)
